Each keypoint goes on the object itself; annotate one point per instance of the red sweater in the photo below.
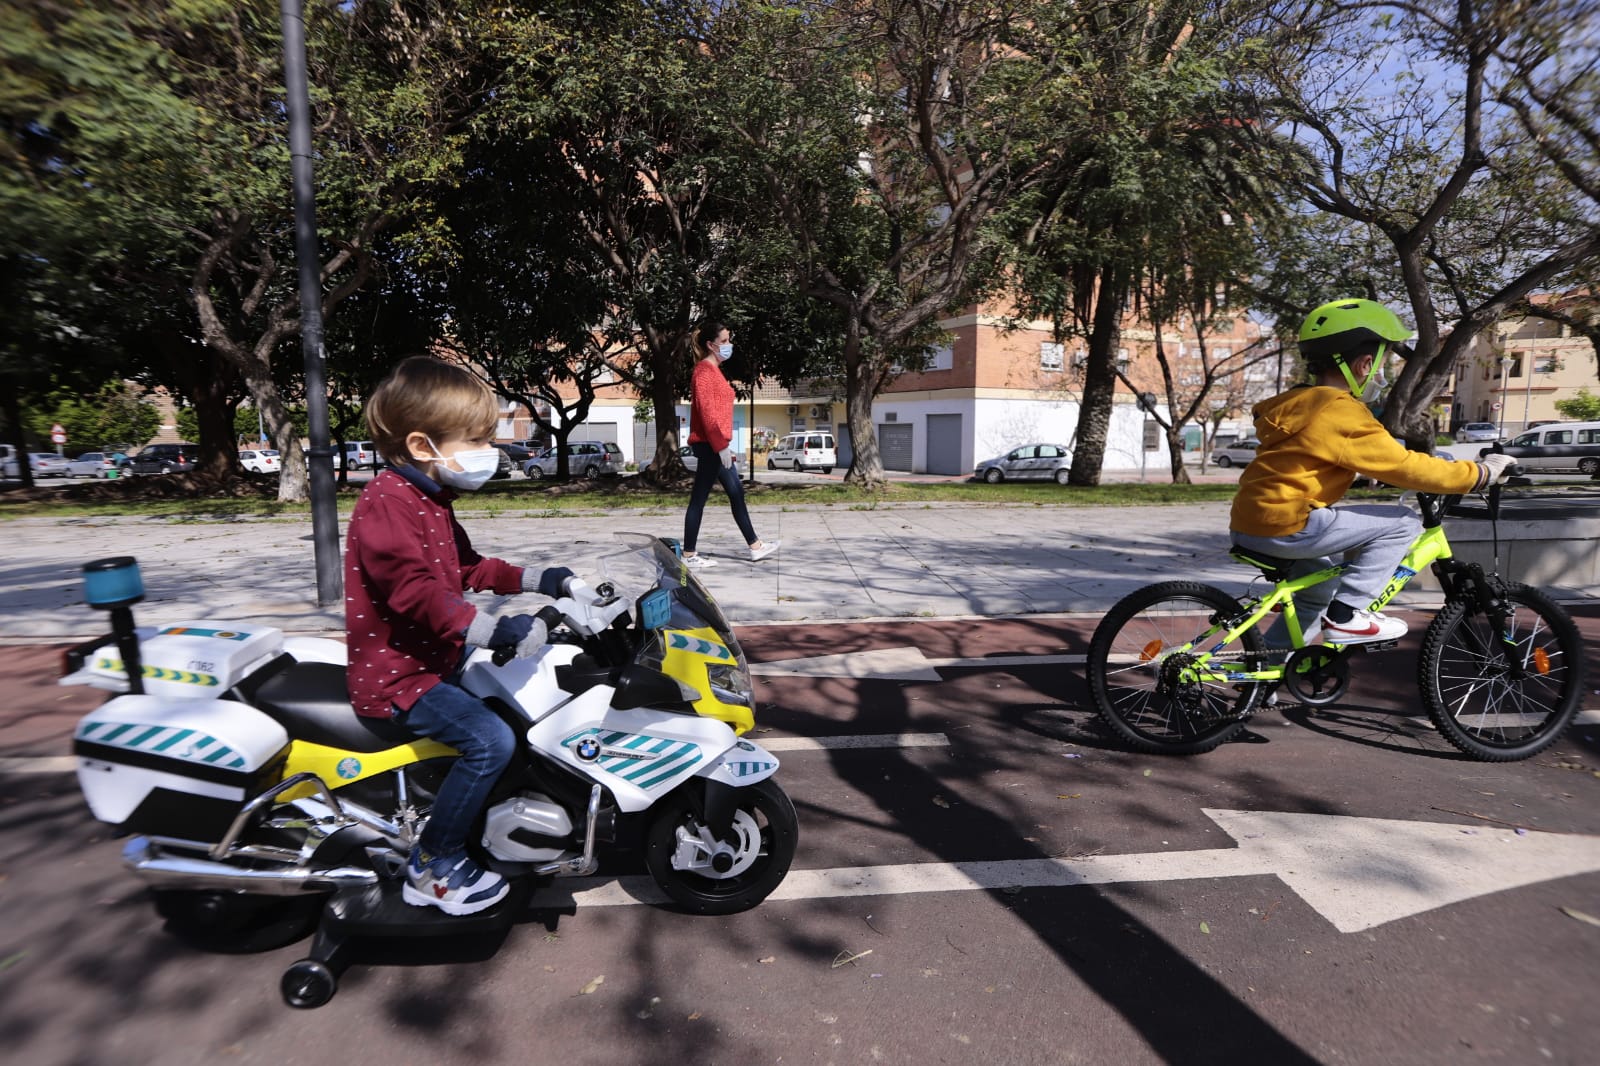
(406, 563)
(711, 406)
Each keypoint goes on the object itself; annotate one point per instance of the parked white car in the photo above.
(260, 460)
(805, 451)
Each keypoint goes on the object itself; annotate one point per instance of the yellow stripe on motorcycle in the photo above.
(686, 655)
(339, 767)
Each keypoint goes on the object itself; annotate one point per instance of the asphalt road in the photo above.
(1177, 933)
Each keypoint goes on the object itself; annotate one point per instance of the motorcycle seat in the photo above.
(310, 700)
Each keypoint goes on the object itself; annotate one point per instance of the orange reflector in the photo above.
(1150, 651)
(1541, 660)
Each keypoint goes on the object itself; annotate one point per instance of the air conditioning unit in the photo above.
(794, 409)
(816, 412)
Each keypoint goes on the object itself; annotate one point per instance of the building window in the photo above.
(1516, 364)
(943, 358)
(1122, 360)
(1220, 354)
(1051, 355)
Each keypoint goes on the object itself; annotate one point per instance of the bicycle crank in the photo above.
(1317, 675)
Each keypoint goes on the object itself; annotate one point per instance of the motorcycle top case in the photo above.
(193, 659)
(176, 767)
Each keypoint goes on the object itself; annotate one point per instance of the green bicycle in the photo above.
(1179, 667)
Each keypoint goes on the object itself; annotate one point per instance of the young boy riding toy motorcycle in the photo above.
(407, 624)
(1315, 438)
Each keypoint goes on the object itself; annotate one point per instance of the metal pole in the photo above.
(755, 383)
(324, 515)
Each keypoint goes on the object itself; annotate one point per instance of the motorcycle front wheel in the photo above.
(763, 838)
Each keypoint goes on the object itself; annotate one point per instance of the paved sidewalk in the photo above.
(837, 562)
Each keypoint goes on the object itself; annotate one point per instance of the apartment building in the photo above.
(1514, 373)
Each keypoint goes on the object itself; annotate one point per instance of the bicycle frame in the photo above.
(1430, 547)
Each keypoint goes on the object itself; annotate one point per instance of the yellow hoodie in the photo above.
(1314, 440)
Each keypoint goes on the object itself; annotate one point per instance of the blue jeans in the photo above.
(456, 717)
(708, 471)
(1371, 539)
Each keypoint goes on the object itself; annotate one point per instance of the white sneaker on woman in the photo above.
(758, 554)
(698, 562)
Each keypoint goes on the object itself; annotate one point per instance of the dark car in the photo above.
(512, 456)
(165, 459)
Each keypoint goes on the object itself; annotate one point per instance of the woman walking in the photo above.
(711, 440)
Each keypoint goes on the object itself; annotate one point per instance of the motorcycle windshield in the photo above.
(649, 563)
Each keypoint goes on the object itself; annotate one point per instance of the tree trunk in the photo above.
(666, 465)
(214, 393)
(1180, 473)
(860, 379)
(1099, 381)
(18, 437)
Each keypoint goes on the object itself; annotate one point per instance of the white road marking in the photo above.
(896, 664)
(867, 740)
(39, 764)
(1356, 872)
(66, 764)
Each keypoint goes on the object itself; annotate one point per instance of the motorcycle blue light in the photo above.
(113, 582)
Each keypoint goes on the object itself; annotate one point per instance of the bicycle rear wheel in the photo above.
(1502, 700)
(1140, 674)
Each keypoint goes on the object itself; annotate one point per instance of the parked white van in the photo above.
(1558, 446)
(804, 451)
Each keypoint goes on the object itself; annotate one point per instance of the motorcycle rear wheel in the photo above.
(774, 848)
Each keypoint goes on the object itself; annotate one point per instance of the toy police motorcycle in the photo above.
(263, 803)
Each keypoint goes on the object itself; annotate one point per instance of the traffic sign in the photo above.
(58, 434)
(1495, 406)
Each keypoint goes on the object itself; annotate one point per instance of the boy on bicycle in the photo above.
(1315, 438)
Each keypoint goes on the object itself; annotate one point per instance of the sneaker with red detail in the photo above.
(1364, 627)
(455, 884)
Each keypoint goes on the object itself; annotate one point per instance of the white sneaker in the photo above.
(758, 554)
(1364, 627)
(698, 562)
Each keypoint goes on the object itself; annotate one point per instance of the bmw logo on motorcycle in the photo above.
(587, 749)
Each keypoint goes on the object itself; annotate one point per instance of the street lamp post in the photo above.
(1500, 408)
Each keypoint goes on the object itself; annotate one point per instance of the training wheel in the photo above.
(308, 983)
(1317, 675)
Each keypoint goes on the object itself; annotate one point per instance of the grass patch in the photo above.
(538, 499)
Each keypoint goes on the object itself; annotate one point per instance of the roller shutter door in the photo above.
(894, 444)
(944, 445)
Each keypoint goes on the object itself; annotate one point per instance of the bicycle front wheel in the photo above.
(1145, 678)
(1502, 698)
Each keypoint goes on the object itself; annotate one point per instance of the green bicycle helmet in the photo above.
(1340, 327)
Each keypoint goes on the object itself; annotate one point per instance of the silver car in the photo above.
(90, 464)
(1031, 462)
(1239, 453)
(47, 464)
(1474, 432)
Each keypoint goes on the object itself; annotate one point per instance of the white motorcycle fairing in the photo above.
(642, 754)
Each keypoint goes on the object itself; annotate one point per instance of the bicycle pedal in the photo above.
(1382, 645)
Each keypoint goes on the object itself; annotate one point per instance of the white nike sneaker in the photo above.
(1364, 627)
(698, 562)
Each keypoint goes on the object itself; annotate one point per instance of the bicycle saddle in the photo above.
(1275, 568)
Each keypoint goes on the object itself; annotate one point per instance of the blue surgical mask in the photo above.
(725, 351)
(477, 467)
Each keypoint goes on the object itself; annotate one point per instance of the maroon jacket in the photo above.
(406, 563)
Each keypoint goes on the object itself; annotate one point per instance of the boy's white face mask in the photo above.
(477, 467)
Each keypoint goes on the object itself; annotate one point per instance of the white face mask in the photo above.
(477, 467)
(725, 351)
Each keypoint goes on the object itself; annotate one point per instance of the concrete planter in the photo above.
(1548, 542)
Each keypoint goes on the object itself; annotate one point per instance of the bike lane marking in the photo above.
(1356, 872)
